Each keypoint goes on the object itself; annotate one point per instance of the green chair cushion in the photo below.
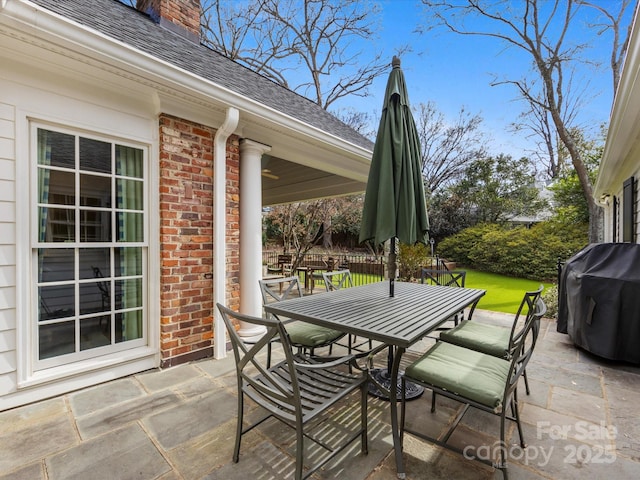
(489, 339)
(310, 335)
(470, 374)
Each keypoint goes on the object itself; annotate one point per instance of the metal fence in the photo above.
(364, 268)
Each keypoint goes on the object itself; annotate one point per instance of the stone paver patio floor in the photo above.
(582, 420)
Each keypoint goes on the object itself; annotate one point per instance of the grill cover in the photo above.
(599, 300)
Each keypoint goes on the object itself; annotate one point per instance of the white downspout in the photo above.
(219, 227)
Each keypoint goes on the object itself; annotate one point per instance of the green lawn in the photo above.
(504, 294)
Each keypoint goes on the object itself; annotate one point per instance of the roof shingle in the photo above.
(125, 24)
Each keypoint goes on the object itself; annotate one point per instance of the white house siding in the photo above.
(7, 246)
(60, 96)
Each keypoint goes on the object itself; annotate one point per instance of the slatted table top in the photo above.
(367, 310)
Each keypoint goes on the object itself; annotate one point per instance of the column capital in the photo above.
(247, 144)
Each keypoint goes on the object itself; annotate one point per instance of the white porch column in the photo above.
(251, 232)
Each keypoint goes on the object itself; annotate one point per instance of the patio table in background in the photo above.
(308, 271)
(398, 321)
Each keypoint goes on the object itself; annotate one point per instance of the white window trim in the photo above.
(27, 376)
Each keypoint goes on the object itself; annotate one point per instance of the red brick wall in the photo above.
(233, 223)
(186, 229)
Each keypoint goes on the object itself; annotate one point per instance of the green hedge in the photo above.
(516, 251)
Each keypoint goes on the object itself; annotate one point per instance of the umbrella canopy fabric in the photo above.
(394, 203)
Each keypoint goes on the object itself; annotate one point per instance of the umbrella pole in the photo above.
(383, 375)
(392, 266)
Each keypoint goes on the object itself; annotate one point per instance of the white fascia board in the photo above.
(624, 126)
(121, 59)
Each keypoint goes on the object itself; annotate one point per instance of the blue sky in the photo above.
(455, 71)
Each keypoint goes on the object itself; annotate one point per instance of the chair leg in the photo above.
(503, 445)
(516, 415)
(433, 401)
(364, 392)
(236, 449)
(299, 450)
(526, 381)
(269, 355)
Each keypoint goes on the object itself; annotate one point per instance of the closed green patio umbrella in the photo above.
(394, 202)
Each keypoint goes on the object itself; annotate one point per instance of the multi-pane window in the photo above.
(90, 247)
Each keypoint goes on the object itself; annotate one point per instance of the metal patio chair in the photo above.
(477, 380)
(494, 339)
(303, 335)
(447, 278)
(336, 280)
(296, 391)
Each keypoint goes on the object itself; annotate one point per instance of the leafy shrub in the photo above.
(410, 259)
(516, 251)
(458, 250)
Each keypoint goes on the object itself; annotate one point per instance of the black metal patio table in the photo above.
(398, 321)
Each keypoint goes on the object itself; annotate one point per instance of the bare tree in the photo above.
(300, 225)
(447, 148)
(341, 213)
(361, 122)
(241, 32)
(305, 45)
(536, 121)
(613, 22)
(540, 29)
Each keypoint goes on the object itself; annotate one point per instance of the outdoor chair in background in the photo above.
(447, 278)
(312, 271)
(282, 266)
(305, 336)
(335, 281)
(476, 380)
(318, 275)
(494, 339)
(296, 391)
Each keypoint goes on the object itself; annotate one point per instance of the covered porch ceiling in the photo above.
(285, 182)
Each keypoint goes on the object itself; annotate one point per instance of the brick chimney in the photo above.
(180, 16)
